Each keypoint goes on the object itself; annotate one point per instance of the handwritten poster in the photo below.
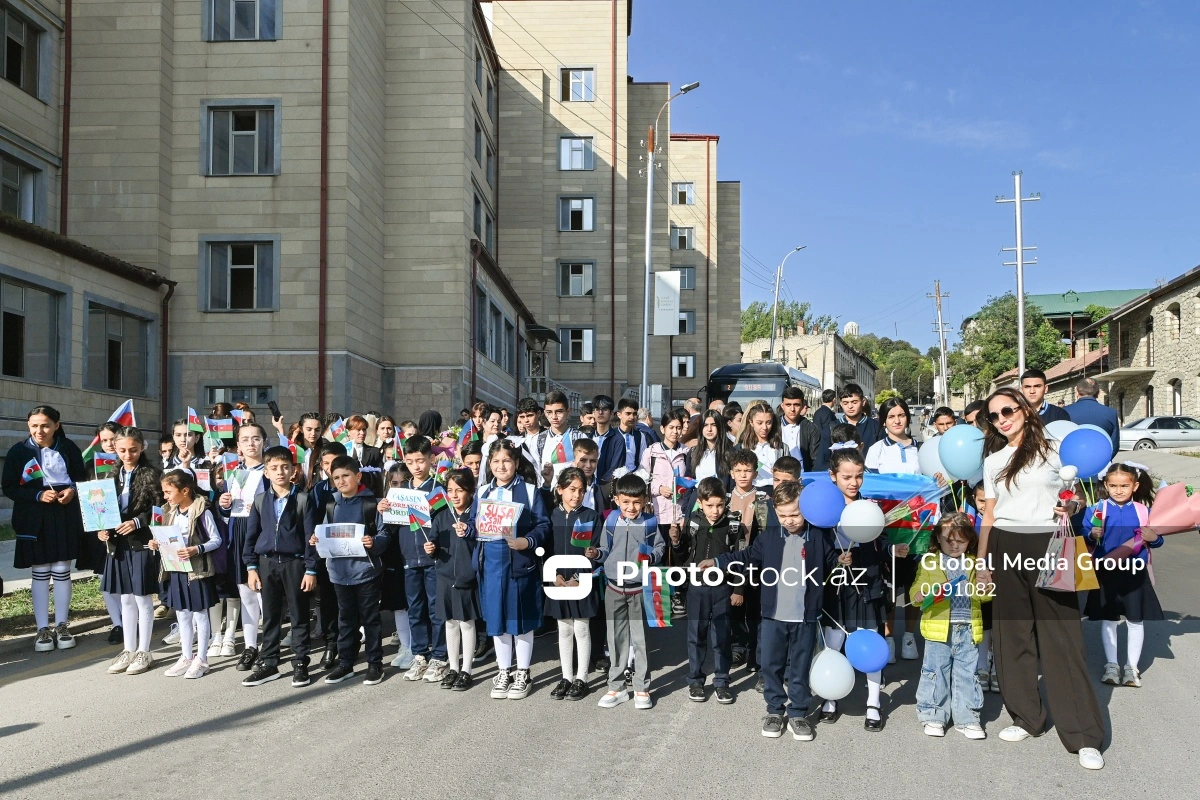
(400, 501)
(99, 503)
(171, 539)
(497, 519)
(244, 485)
(341, 540)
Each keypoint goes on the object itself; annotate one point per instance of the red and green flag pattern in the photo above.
(564, 451)
(683, 485)
(581, 533)
(656, 599)
(156, 515)
(221, 427)
(32, 472)
(194, 422)
(337, 429)
(468, 433)
(939, 594)
(123, 416)
(437, 499)
(104, 463)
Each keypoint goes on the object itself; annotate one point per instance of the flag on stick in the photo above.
(32, 472)
(194, 423)
(104, 463)
(581, 533)
(123, 416)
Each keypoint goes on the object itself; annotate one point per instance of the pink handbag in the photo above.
(1058, 571)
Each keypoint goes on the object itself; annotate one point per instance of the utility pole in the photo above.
(775, 308)
(941, 332)
(1020, 263)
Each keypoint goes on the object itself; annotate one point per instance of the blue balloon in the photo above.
(961, 451)
(1087, 450)
(822, 504)
(866, 650)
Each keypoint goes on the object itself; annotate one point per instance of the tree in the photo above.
(989, 344)
(1098, 313)
(898, 363)
(756, 319)
(885, 395)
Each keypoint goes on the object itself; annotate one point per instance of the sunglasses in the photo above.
(1005, 412)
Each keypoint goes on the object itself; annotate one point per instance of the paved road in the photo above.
(67, 728)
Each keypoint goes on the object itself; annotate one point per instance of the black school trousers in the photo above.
(281, 577)
(358, 606)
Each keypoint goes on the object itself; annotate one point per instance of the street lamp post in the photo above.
(651, 135)
(775, 309)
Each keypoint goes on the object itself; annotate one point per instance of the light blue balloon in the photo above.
(961, 451)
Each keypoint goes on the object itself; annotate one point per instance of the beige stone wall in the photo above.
(726, 276)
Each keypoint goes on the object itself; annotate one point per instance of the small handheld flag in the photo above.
(443, 468)
(194, 424)
(468, 433)
(417, 518)
(337, 429)
(156, 515)
(123, 416)
(221, 427)
(238, 415)
(300, 454)
(32, 472)
(656, 599)
(683, 485)
(437, 499)
(581, 533)
(230, 461)
(939, 593)
(564, 452)
(104, 463)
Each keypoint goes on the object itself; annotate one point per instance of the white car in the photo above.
(1151, 432)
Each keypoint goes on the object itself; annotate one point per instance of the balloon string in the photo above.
(835, 622)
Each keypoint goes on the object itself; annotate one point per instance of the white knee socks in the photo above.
(566, 648)
(460, 644)
(873, 681)
(40, 589)
(137, 621)
(60, 572)
(525, 650)
(251, 613)
(1108, 637)
(187, 634)
(203, 634)
(572, 632)
(1135, 633)
(404, 629)
(453, 643)
(504, 650)
(112, 602)
(227, 609)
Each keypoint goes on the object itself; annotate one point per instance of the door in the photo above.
(1165, 432)
(1189, 432)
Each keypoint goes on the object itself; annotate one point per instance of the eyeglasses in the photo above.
(1005, 412)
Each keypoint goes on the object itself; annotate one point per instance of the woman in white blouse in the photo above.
(709, 457)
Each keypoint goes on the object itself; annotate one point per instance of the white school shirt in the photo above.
(892, 457)
(1027, 506)
(54, 467)
(707, 467)
(126, 479)
(766, 459)
(791, 440)
(212, 537)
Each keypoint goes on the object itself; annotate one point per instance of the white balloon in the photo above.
(929, 459)
(862, 521)
(830, 676)
(1060, 428)
(1068, 473)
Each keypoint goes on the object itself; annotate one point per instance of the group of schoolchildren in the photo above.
(610, 491)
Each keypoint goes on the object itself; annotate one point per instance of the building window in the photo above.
(481, 305)
(242, 20)
(684, 366)
(250, 395)
(687, 322)
(1175, 321)
(687, 277)
(576, 345)
(479, 69)
(1149, 341)
(478, 143)
(19, 46)
(491, 166)
(683, 193)
(17, 183)
(509, 357)
(241, 275)
(681, 238)
(117, 351)
(1177, 397)
(575, 152)
(578, 85)
(477, 218)
(576, 279)
(28, 332)
(241, 139)
(495, 332)
(577, 214)
(489, 233)
(1149, 401)
(491, 99)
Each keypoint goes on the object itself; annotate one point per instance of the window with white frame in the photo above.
(576, 345)
(684, 366)
(577, 214)
(250, 395)
(575, 153)
(481, 319)
(17, 181)
(495, 332)
(117, 351)
(479, 69)
(681, 238)
(576, 279)
(683, 193)
(241, 20)
(28, 332)
(241, 275)
(491, 99)
(477, 217)
(578, 85)
(478, 143)
(241, 140)
(19, 40)
(687, 277)
(687, 322)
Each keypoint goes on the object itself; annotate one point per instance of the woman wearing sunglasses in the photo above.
(1020, 514)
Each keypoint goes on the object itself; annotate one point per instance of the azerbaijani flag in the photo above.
(32, 471)
(221, 427)
(437, 499)
(337, 429)
(194, 423)
(123, 416)
(104, 462)
(564, 452)
(656, 599)
(581, 533)
(683, 485)
(300, 453)
(230, 461)
(156, 515)
(939, 594)
(417, 518)
(1098, 517)
(238, 415)
(468, 433)
(443, 468)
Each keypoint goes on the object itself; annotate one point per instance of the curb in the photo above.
(25, 642)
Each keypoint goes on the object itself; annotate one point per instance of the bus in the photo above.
(745, 383)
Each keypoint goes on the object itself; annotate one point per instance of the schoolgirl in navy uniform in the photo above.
(46, 519)
(392, 594)
(92, 551)
(250, 440)
(574, 616)
(452, 548)
(131, 569)
(187, 445)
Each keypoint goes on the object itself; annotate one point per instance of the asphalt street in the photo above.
(69, 729)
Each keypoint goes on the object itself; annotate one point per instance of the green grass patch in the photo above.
(7, 534)
(16, 609)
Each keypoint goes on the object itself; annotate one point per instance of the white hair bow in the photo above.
(842, 446)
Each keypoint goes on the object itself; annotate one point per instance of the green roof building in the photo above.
(1068, 311)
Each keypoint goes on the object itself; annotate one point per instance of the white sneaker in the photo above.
(228, 648)
(214, 648)
(119, 664)
(1131, 677)
(908, 650)
(501, 684)
(1112, 674)
(404, 659)
(642, 700)
(891, 643)
(417, 670)
(198, 669)
(179, 668)
(613, 699)
(1090, 758)
(436, 671)
(172, 636)
(971, 731)
(1014, 733)
(933, 729)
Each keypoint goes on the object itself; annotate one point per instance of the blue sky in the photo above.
(879, 134)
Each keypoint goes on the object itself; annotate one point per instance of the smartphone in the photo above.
(275, 412)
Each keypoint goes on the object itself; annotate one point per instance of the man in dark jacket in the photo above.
(800, 435)
(1087, 410)
(1033, 386)
(824, 418)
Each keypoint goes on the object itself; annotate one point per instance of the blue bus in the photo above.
(745, 383)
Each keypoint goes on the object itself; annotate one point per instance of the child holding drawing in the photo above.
(240, 487)
(420, 579)
(453, 549)
(392, 594)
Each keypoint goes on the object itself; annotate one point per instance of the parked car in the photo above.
(1151, 432)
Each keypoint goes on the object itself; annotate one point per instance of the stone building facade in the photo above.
(824, 356)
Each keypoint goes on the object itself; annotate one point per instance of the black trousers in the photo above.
(708, 628)
(358, 605)
(327, 608)
(281, 579)
(787, 653)
(745, 621)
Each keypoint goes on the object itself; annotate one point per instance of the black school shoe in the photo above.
(724, 696)
(374, 675)
(330, 657)
(577, 691)
(246, 662)
(448, 680)
(340, 673)
(462, 682)
(603, 665)
(116, 635)
(261, 674)
(696, 693)
(829, 717)
(874, 725)
(300, 676)
(560, 690)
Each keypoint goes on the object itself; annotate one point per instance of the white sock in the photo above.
(129, 621)
(983, 650)
(1108, 637)
(566, 647)
(145, 621)
(583, 638)
(873, 682)
(504, 650)
(60, 572)
(215, 615)
(112, 602)
(187, 635)
(630, 662)
(834, 638)
(1135, 635)
(203, 634)
(404, 629)
(233, 607)
(467, 629)
(40, 589)
(251, 612)
(453, 642)
(525, 650)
